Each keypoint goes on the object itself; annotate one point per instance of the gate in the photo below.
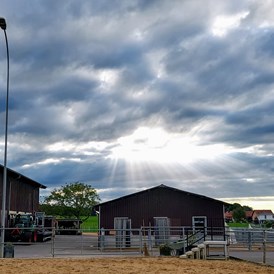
(122, 227)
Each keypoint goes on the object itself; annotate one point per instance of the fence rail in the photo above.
(72, 242)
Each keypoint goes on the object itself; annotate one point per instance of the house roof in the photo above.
(164, 187)
(13, 174)
(262, 212)
(228, 215)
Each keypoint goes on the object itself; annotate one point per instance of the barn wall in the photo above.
(21, 196)
(179, 206)
(24, 197)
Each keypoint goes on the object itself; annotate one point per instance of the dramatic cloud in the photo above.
(126, 95)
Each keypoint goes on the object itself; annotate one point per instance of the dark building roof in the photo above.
(166, 187)
(13, 174)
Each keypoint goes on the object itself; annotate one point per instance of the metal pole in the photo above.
(264, 246)
(99, 218)
(249, 239)
(4, 189)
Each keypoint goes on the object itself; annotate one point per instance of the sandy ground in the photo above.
(129, 265)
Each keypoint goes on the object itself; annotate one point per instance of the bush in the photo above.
(165, 250)
(268, 224)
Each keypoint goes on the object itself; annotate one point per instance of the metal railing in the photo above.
(72, 242)
(252, 244)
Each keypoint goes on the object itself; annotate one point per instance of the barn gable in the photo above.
(179, 207)
(22, 192)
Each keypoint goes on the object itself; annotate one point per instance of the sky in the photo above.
(125, 95)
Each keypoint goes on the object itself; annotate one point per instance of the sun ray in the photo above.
(151, 156)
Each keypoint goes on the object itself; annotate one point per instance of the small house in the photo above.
(260, 216)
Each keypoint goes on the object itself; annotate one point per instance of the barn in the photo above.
(22, 192)
(177, 207)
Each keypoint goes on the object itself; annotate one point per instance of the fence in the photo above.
(135, 242)
(252, 244)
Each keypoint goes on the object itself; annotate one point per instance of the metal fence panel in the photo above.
(247, 242)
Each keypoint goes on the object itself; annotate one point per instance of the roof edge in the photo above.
(162, 186)
(19, 175)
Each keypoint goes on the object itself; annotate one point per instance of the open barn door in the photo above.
(199, 228)
(199, 223)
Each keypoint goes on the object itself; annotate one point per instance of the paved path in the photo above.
(40, 250)
(253, 256)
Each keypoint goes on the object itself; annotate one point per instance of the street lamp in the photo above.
(3, 26)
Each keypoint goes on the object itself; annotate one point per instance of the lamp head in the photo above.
(3, 24)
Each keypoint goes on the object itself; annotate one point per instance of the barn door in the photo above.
(199, 226)
(122, 226)
(162, 230)
(199, 222)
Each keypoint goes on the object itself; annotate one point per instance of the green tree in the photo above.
(234, 206)
(238, 214)
(247, 208)
(74, 199)
(239, 211)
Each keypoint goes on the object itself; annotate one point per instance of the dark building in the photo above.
(179, 207)
(22, 193)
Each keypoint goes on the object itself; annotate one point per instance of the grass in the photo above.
(91, 224)
(240, 225)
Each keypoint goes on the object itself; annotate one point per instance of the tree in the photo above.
(238, 211)
(238, 214)
(247, 208)
(234, 206)
(74, 199)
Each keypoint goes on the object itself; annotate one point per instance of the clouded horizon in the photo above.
(127, 95)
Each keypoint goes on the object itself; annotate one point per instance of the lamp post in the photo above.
(4, 188)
